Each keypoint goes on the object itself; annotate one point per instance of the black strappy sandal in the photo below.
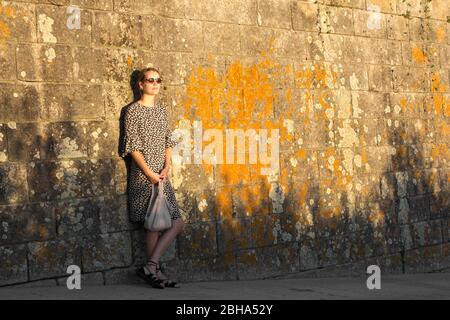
(167, 282)
(150, 278)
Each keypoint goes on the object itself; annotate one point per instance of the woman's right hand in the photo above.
(154, 177)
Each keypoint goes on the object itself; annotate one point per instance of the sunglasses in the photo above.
(151, 80)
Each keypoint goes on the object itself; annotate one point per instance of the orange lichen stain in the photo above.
(418, 55)
(440, 151)
(440, 34)
(237, 99)
(436, 84)
(253, 198)
(129, 61)
(403, 104)
(224, 202)
(8, 11)
(259, 234)
(301, 194)
(376, 217)
(4, 31)
(316, 76)
(42, 255)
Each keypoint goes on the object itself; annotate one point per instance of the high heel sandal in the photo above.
(167, 282)
(150, 278)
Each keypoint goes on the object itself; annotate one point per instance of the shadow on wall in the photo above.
(322, 220)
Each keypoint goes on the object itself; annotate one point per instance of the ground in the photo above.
(411, 286)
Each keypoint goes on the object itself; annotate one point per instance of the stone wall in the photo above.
(359, 91)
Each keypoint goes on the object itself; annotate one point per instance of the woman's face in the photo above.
(150, 88)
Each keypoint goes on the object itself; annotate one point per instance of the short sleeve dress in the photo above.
(147, 129)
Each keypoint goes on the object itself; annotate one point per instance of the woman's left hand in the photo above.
(164, 173)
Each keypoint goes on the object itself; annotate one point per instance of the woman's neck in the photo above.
(147, 100)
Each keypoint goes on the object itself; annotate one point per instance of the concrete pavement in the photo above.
(410, 286)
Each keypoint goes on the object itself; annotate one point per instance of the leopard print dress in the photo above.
(147, 129)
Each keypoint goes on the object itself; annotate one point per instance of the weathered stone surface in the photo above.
(197, 269)
(170, 8)
(235, 11)
(221, 37)
(3, 144)
(73, 102)
(427, 233)
(14, 264)
(18, 22)
(335, 19)
(119, 30)
(13, 183)
(175, 35)
(19, 102)
(52, 258)
(427, 259)
(44, 62)
(122, 276)
(397, 27)
(198, 240)
(305, 16)
(28, 141)
(427, 30)
(70, 178)
(369, 24)
(26, 222)
(56, 25)
(273, 13)
(268, 261)
(77, 217)
(7, 61)
(106, 251)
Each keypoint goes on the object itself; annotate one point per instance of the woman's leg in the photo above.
(151, 239)
(166, 239)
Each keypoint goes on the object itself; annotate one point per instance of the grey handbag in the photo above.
(157, 217)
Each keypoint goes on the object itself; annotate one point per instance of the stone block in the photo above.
(19, 102)
(170, 8)
(105, 251)
(55, 25)
(70, 178)
(14, 267)
(44, 62)
(274, 13)
(335, 19)
(397, 27)
(7, 61)
(221, 37)
(52, 258)
(268, 261)
(176, 35)
(305, 16)
(369, 24)
(27, 222)
(198, 240)
(241, 12)
(18, 21)
(13, 186)
(119, 30)
(73, 102)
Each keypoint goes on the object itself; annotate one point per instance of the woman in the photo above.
(148, 140)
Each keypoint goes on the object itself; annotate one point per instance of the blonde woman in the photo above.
(147, 139)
